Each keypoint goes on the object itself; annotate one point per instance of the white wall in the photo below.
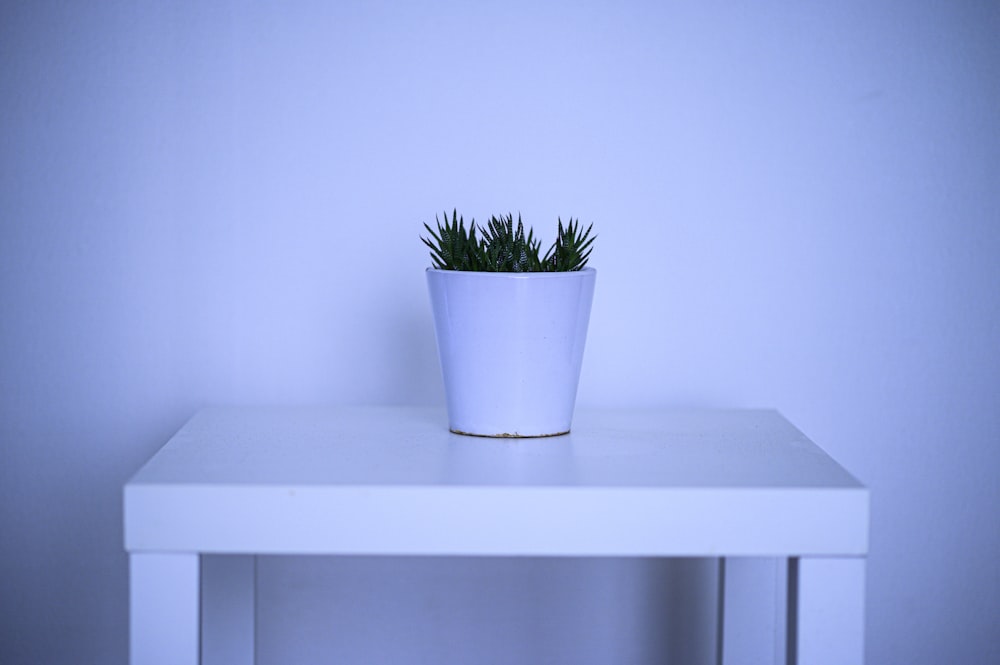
(798, 206)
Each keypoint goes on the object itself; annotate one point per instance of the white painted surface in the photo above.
(391, 480)
(831, 611)
(560, 521)
(304, 447)
(384, 481)
(164, 606)
(511, 347)
(219, 203)
(755, 611)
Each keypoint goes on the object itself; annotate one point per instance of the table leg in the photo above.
(163, 609)
(228, 616)
(753, 610)
(827, 611)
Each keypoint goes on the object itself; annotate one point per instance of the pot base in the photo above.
(505, 435)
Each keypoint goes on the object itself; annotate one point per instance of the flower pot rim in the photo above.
(516, 275)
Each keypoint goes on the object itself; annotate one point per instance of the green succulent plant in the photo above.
(502, 246)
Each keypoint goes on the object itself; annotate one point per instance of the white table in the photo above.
(394, 481)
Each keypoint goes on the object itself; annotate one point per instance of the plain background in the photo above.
(798, 206)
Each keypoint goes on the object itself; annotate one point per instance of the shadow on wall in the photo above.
(458, 609)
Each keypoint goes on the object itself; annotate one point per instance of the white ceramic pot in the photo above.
(511, 347)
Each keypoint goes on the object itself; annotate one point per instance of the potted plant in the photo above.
(510, 323)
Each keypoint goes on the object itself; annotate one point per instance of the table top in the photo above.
(393, 480)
